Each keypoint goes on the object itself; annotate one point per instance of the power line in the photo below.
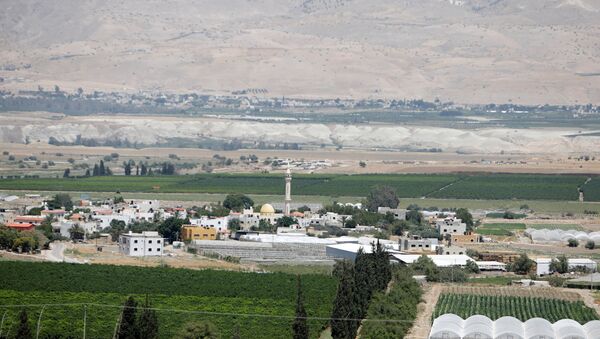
(256, 315)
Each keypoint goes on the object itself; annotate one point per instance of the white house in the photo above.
(220, 224)
(451, 226)
(141, 244)
(64, 226)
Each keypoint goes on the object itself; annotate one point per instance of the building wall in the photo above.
(451, 226)
(139, 245)
(198, 233)
(464, 239)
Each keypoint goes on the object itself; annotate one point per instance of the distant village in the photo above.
(243, 101)
(274, 232)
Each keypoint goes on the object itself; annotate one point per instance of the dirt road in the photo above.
(422, 324)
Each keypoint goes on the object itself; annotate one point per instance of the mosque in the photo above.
(249, 218)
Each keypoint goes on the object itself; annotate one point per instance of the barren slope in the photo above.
(472, 51)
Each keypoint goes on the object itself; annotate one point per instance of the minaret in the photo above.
(288, 192)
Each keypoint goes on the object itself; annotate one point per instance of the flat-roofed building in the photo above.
(141, 244)
(194, 232)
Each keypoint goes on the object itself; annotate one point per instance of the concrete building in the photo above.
(464, 238)
(29, 219)
(398, 213)
(451, 226)
(219, 224)
(418, 244)
(543, 265)
(141, 244)
(453, 250)
(194, 232)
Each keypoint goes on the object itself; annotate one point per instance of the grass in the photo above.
(479, 186)
(499, 229)
(262, 304)
(507, 226)
(498, 232)
(496, 280)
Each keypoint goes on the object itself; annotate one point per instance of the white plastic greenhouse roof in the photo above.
(451, 326)
(555, 235)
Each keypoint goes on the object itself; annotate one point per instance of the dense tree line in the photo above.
(400, 304)
(358, 281)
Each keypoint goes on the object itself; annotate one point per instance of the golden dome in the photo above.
(267, 209)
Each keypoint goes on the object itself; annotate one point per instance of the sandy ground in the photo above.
(344, 161)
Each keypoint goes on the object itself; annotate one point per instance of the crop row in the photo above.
(513, 291)
(102, 313)
(221, 292)
(475, 186)
(523, 308)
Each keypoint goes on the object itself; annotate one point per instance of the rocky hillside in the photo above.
(472, 51)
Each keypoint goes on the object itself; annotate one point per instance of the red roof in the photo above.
(19, 226)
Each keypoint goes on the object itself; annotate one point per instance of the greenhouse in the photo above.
(558, 235)
(451, 326)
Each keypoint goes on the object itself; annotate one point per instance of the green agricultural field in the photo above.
(494, 231)
(262, 304)
(445, 186)
(523, 308)
(499, 228)
(504, 226)
(591, 190)
(515, 186)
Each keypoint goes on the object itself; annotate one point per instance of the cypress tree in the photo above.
(24, 331)
(382, 267)
(101, 170)
(300, 327)
(96, 171)
(128, 327)
(364, 277)
(344, 305)
(148, 322)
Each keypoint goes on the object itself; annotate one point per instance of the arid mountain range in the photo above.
(467, 51)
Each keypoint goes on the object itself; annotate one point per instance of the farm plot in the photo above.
(261, 304)
(474, 186)
(506, 229)
(514, 291)
(514, 186)
(522, 308)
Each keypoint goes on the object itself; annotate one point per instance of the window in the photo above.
(158, 241)
(149, 250)
(135, 241)
(135, 249)
(149, 241)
